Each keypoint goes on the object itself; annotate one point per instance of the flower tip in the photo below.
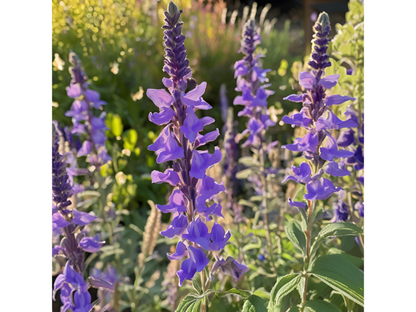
(172, 9)
(323, 19)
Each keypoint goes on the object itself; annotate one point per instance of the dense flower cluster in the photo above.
(178, 142)
(250, 79)
(318, 119)
(66, 222)
(84, 121)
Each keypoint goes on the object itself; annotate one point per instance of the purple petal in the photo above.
(176, 203)
(337, 99)
(294, 98)
(333, 169)
(169, 176)
(192, 125)
(187, 271)
(89, 244)
(198, 257)
(209, 137)
(178, 226)
(82, 218)
(85, 149)
(162, 118)
(160, 97)
(171, 150)
(180, 252)
(198, 233)
(296, 204)
(307, 80)
(329, 81)
(202, 160)
(74, 90)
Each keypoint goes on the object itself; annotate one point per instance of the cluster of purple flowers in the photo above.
(178, 142)
(75, 242)
(318, 119)
(84, 121)
(250, 79)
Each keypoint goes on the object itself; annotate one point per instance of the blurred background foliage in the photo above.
(120, 45)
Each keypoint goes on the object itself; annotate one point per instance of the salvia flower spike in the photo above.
(194, 191)
(74, 243)
(82, 112)
(318, 145)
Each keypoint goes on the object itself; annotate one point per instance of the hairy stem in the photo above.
(308, 233)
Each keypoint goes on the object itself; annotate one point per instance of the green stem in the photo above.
(264, 204)
(311, 206)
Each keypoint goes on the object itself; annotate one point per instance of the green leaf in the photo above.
(246, 203)
(247, 161)
(130, 139)
(338, 229)
(341, 275)
(242, 293)
(292, 309)
(243, 174)
(284, 285)
(258, 245)
(196, 283)
(295, 234)
(320, 306)
(191, 303)
(113, 121)
(255, 304)
(358, 262)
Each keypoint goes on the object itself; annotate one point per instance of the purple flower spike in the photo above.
(198, 233)
(180, 252)
(203, 160)
(90, 244)
(79, 110)
(169, 176)
(320, 189)
(176, 203)
(74, 91)
(192, 125)
(178, 226)
(178, 142)
(218, 237)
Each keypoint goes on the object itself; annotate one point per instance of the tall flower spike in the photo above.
(250, 81)
(177, 143)
(73, 246)
(83, 118)
(316, 116)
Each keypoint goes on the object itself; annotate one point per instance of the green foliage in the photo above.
(284, 286)
(320, 306)
(296, 235)
(191, 303)
(341, 275)
(255, 304)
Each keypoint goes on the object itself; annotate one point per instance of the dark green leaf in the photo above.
(320, 306)
(255, 304)
(191, 303)
(341, 275)
(295, 234)
(284, 285)
(242, 293)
